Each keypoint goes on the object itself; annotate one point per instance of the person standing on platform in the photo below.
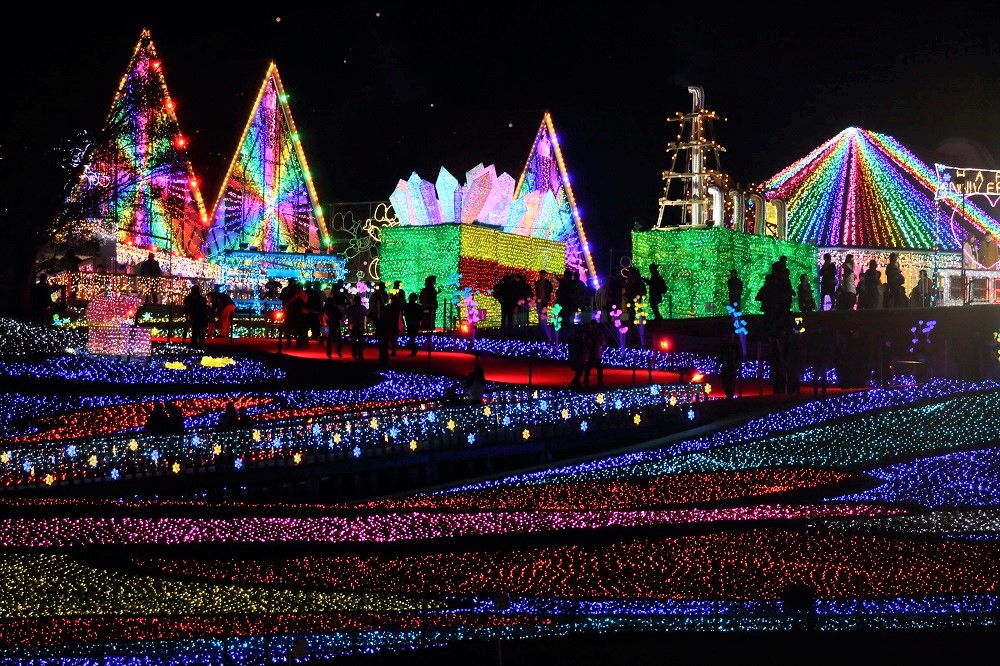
(807, 303)
(223, 308)
(151, 268)
(920, 297)
(827, 284)
(871, 296)
(334, 316)
(730, 360)
(597, 342)
(196, 309)
(989, 253)
(735, 285)
(895, 294)
(357, 317)
(657, 288)
(848, 293)
(429, 301)
(543, 298)
(413, 315)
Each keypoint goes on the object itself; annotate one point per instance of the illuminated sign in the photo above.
(967, 182)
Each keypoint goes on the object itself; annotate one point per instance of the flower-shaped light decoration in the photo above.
(525, 434)
(739, 324)
(922, 334)
(616, 318)
(413, 445)
(637, 419)
(556, 319)
(583, 426)
(641, 310)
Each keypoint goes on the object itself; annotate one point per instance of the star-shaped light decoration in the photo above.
(256, 435)
(673, 400)
(564, 413)
(413, 445)
(5, 457)
(336, 438)
(487, 411)
(217, 449)
(373, 423)
(176, 468)
(708, 389)
(451, 425)
(297, 458)
(637, 419)
(525, 434)
(133, 445)
(92, 461)
(49, 479)
(600, 398)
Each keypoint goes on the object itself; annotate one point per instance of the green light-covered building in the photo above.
(476, 255)
(695, 264)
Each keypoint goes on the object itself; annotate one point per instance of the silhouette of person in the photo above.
(196, 309)
(657, 288)
(357, 317)
(429, 301)
(151, 268)
(730, 358)
(597, 342)
(333, 315)
(848, 292)
(735, 287)
(413, 314)
(827, 283)
(805, 294)
(543, 294)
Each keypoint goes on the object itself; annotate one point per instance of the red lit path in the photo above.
(537, 373)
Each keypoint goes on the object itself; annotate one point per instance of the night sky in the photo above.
(379, 90)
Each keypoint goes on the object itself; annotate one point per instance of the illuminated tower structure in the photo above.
(694, 184)
(267, 200)
(145, 193)
(544, 174)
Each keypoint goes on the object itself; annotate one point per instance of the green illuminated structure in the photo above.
(480, 255)
(695, 264)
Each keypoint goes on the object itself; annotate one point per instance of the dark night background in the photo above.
(380, 90)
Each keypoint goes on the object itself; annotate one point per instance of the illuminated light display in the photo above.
(539, 205)
(479, 255)
(245, 273)
(153, 200)
(267, 200)
(695, 264)
(545, 174)
(862, 189)
(880, 501)
(112, 329)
